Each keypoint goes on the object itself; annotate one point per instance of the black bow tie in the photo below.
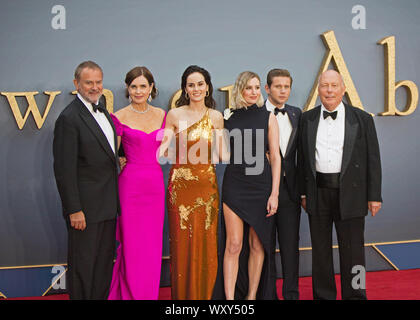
(98, 107)
(277, 110)
(327, 114)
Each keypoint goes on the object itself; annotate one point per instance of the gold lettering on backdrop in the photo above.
(228, 89)
(391, 86)
(32, 106)
(335, 56)
(109, 99)
(174, 99)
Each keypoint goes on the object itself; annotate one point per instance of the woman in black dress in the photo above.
(250, 194)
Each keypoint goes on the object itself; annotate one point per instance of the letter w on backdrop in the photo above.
(32, 106)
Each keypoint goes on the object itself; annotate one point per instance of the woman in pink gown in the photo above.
(136, 274)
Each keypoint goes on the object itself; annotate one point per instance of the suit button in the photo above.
(354, 184)
(356, 165)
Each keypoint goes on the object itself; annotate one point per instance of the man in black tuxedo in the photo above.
(340, 180)
(278, 87)
(85, 167)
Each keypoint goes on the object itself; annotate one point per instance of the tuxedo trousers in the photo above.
(350, 237)
(90, 260)
(287, 222)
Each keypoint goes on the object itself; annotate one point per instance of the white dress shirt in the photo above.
(103, 122)
(330, 141)
(285, 127)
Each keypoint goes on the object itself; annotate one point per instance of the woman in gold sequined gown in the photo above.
(193, 196)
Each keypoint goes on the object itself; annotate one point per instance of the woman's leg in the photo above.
(234, 236)
(255, 263)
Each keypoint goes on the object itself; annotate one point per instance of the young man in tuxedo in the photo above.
(278, 87)
(85, 168)
(340, 180)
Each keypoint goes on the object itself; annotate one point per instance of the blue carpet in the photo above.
(403, 255)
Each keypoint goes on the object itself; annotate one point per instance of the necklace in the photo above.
(140, 112)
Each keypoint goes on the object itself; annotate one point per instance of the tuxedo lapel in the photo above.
(292, 116)
(312, 132)
(97, 131)
(114, 130)
(350, 133)
(293, 120)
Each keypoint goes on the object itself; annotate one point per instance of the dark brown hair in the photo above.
(86, 64)
(278, 73)
(137, 72)
(208, 100)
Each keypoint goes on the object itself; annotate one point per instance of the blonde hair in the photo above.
(238, 100)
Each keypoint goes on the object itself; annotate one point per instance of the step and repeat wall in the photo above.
(373, 44)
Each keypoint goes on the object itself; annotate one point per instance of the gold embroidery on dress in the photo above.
(211, 171)
(201, 129)
(193, 204)
(193, 140)
(211, 212)
(183, 215)
(183, 173)
(177, 175)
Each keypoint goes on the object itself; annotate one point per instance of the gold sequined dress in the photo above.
(193, 205)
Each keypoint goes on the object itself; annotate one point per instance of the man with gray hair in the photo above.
(340, 180)
(85, 168)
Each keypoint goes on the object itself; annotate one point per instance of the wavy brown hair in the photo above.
(137, 72)
(208, 100)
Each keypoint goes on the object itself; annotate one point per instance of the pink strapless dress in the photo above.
(136, 274)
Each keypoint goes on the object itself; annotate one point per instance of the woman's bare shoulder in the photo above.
(122, 113)
(217, 118)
